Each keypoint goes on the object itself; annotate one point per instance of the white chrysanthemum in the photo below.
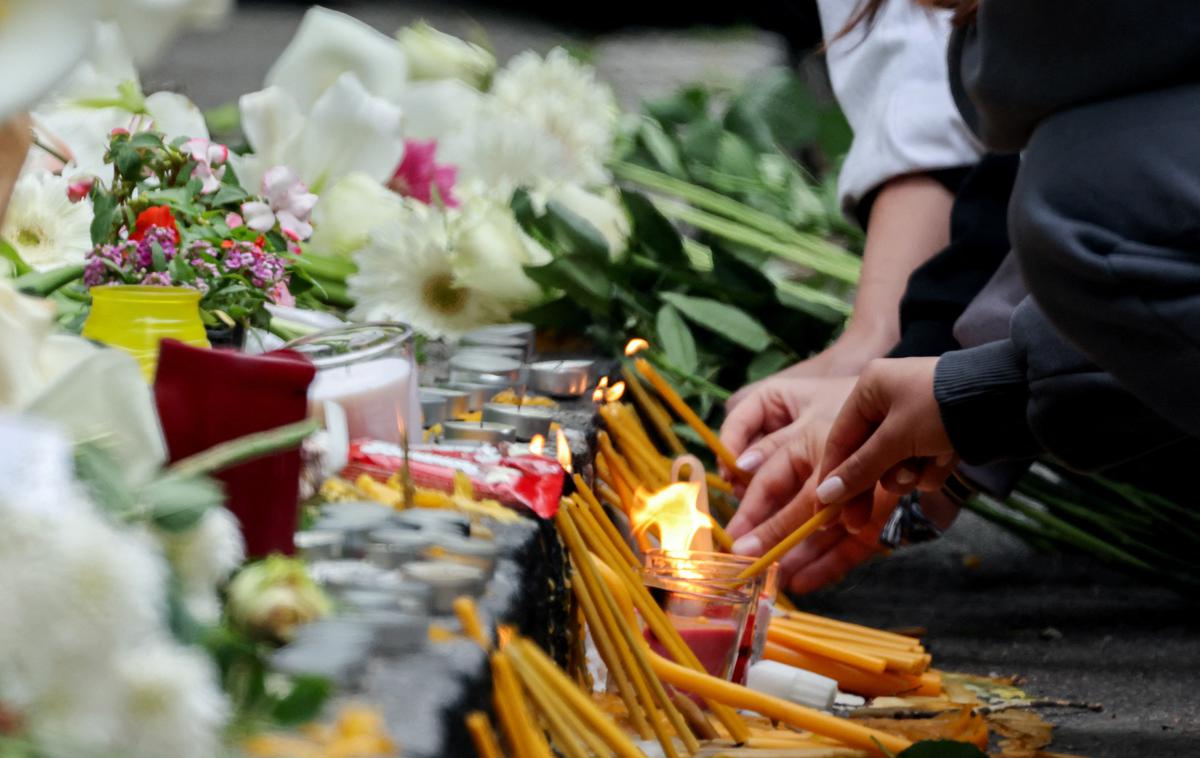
(203, 557)
(563, 97)
(498, 152)
(434, 55)
(171, 703)
(405, 274)
(44, 226)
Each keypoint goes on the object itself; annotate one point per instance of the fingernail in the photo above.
(906, 476)
(748, 545)
(750, 461)
(831, 490)
(944, 459)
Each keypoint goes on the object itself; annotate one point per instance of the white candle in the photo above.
(378, 397)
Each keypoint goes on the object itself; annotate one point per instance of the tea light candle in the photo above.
(516, 333)
(389, 548)
(447, 581)
(528, 420)
(477, 394)
(374, 396)
(482, 432)
(486, 364)
(320, 545)
(495, 382)
(457, 402)
(561, 378)
(433, 409)
(516, 351)
(435, 520)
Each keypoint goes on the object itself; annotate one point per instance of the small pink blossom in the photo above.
(78, 190)
(419, 174)
(288, 201)
(118, 130)
(210, 158)
(233, 220)
(281, 295)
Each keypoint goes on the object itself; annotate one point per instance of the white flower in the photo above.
(563, 97)
(497, 153)
(203, 557)
(405, 274)
(434, 55)
(603, 210)
(40, 42)
(328, 45)
(44, 226)
(490, 251)
(348, 130)
(170, 702)
(102, 94)
(433, 110)
(288, 201)
(348, 211)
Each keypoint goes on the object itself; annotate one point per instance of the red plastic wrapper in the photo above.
(525, 481)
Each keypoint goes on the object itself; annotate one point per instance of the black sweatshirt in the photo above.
(1101, 363)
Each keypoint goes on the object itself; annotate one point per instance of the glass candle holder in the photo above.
(370, 372)
(721, 569)
(710, 612)
(136, 318)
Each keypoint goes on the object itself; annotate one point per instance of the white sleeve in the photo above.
(891, 82)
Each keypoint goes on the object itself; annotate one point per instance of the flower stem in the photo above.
(244, 449)
(37, 142)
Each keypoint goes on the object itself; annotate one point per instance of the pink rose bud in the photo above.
(118, 130)
(77, 191)
(233, 220)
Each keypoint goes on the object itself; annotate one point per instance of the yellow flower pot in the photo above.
(135, 318)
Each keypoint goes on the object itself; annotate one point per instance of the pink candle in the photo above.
(714, 641)
(376, 396)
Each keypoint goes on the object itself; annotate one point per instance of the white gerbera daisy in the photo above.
(564, 98)
(490, 253)
(44, 226)
(405, 274)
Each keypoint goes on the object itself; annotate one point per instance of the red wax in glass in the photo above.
(206, 397)
(713, 644)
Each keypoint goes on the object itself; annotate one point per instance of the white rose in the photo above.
(435, 55)
(347, 212)
(490, 252)
(603, 211)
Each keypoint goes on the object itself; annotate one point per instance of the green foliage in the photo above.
(738, 262)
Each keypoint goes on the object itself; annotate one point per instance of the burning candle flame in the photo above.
(598, 395)
(615, 392)
(673, 512)
(635, 346)
(537, 445)
(563, 450)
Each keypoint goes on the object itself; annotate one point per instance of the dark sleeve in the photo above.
(940, 290)
(1035, 393)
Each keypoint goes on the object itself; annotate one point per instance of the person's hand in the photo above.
(778, 412)
(889, 431)
(846, 357)
(15, 136)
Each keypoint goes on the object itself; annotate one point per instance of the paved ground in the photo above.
(1075, 630)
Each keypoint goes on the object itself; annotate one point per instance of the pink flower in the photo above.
(233, 220)
(419, 174)
(281, 295)
(210, 158)
(288, 201)
(80, 189)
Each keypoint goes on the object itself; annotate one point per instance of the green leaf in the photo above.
(574, 234)
(177, 503)
(766, 363)
(104, 210)
(157, 256)
(146, 140)
(699, 141)
(676, 339)
(776, 109)
(42, 283)
(942, 749)
(726, 320)
(95, 470)
(304, 702)
(661, 148)
(579, 277)
(656, 234)
(10, 254)
(682, 107)
(128, 161)
(736, 157)
(228, 194)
